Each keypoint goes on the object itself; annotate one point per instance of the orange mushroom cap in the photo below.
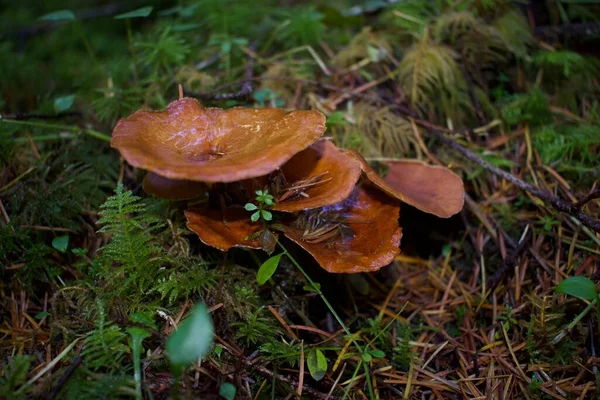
(190, 142)
(322, 173)
(172, 189)
(432, 189)
(223, 230)
(373, 239)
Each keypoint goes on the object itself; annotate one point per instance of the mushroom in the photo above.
(190, 142)
(328, 201)
(432, 189)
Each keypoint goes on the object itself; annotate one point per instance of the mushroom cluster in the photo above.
(327, 200)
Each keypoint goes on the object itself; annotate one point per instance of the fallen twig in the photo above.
(510, 262)
(23, 116)
(64, 378)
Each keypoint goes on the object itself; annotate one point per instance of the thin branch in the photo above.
(64, 378)
(23, 116)
(510, 262)
(593, 195)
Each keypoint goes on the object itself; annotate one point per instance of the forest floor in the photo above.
(496, 302)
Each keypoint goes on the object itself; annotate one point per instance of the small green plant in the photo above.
(535, 385)
(583, 288)
(14, 376)
(133, 260)
(547, 222)
(104, 348)
(255, 328)
(265, 201)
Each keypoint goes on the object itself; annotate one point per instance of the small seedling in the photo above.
(264, 200)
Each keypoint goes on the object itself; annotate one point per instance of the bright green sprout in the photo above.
(264, 200)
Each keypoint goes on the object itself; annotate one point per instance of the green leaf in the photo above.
(336, 118)
(61, 15)
(218, 350)
(578, 286)
(41, 315)
(63, 103)
(192, 340)
(61, 243)
(366, 357)
(139, 13)
(376, 353)
(267, 269)
(315, 287)
(254, 217)
(317, 364)
(250, 207)
(227, 391)
(266, 215)
(144, 318)
(79, 252)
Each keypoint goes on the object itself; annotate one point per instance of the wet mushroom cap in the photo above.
(369, 240)
(223, 229)
(318, 176)
(432, 189)
(190, 142)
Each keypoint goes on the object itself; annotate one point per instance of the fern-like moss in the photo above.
(105, 347)
(132, 261)
(431, 78)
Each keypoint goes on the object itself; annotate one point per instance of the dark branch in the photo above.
(64, 378)
(593, 195)
(23, 116)
(509, 263)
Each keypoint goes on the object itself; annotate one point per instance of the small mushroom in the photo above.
(367, 238)
(317, 176)
(432, 189)
(190, 142)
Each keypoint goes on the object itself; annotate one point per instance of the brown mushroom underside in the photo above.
(336, 174)
(172, 189)
(432, 189)
(190, 142)
(370, 240)
(223, 230)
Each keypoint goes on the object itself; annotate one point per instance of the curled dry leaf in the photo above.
(224, 229)
(317, 176)
(364, 237)
(432, 189)
(172, 189)
(190, 142)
